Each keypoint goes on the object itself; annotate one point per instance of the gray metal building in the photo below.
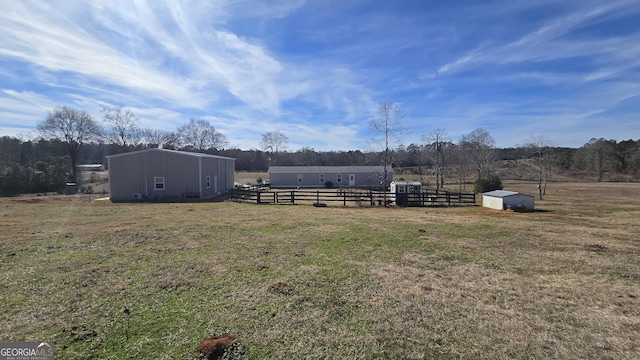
(318, 176)
(168, 174)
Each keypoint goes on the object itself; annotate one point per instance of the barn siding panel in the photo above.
(134, 173)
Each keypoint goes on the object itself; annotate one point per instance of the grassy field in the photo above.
(149, 281)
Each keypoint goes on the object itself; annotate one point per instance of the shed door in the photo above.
(352, 179)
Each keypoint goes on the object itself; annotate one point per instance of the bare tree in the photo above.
(387, 124)
(480, 148)
(599, 155)
(541, 148)
(437, 142)
(274, 141)
(73, 127)
(416, 158)
(121, 126)
(157, 138)
(461, 161)
(201, 135)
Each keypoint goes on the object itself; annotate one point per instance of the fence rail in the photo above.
(349, 197)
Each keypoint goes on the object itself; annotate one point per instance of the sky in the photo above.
(317, 70)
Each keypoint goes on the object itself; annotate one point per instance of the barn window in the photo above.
(339, 178)
(321, 178)
(208, 181)
(159, 182)
(300, 179)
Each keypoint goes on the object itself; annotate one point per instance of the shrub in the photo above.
(490, 183)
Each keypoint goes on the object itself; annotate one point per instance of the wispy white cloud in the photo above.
(20, 111)
(316, 70)
(41, 36)
(207, 61)
(552, 41)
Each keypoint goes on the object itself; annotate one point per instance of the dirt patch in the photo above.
(32, 200)
(597, 247)
(80, 333)
(281, 288)
(214, 346)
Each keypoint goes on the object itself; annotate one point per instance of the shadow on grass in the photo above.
(542, 211)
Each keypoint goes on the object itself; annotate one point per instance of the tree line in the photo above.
(68, 137)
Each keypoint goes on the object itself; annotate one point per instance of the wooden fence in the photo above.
(349, 197)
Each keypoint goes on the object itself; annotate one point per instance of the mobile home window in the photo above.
(321, 178)
(300, 179)
(339, 178)
(158, 182)
(208, 182)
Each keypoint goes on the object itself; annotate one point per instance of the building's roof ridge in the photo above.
(316, 168)
(503, 193)
(186, 153)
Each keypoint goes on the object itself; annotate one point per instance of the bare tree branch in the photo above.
(73, 127)
(201, 135)
(274, 141)
(480, 148)
(387, 124)
(121, 126)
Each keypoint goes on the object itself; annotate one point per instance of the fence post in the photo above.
(275, 197)
(344, 198)
(258, 197)
(293, 198)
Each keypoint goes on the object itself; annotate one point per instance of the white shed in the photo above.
(507, 200)
(406, 193)
(402, 186)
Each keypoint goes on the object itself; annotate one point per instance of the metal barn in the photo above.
(507, 200)
(168, 174)
(328, 176)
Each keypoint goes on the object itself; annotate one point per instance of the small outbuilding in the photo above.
(168, 174)
(508, 200)
(328, 176)
(406, 187)
(406, 193)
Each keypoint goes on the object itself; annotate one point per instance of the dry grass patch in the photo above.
(150, 281)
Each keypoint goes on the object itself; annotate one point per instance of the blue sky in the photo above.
(316, 70)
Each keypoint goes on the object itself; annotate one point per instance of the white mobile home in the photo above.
(507, 200)
(168, 174)
(328, 176)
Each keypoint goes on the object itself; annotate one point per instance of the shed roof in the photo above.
(325, 169)
(185, 153)
(503, 193)
(410, 183)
